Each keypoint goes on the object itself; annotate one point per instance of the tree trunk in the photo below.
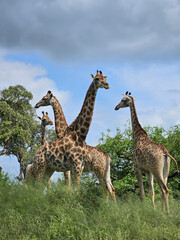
(21, 175)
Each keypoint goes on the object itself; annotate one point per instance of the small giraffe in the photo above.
(148, 156)
(60, 122)
(98, 160)
(45, 121)
(69, 153)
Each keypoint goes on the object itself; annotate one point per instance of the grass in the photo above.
(30, 214)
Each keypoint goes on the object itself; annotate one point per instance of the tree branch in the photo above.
(3, 152)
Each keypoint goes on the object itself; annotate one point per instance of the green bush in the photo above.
(33, 213)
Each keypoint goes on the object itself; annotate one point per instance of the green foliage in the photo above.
(20, 132)
(17, 125)
(4, 179)
(83, 214)
(120, 150)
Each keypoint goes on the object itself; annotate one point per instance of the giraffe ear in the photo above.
(134, 98)
(51, 95)
(92, 76)
(39, 118)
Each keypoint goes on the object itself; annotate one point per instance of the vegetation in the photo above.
(84, 214)
(34, 213)
(19, 128)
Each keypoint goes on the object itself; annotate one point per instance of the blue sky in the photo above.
(56, 45)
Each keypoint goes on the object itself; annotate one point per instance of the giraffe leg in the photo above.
(40, 167)
(76, 180)
(76, 176)
(165, 201)
(165, 175)
(67, 176)
(151, 187)
(164, 194)
(103, 175)
(166, 168)
(113, 193)
(140, 182)
(110, 190)
(47, 178)
(109, 185)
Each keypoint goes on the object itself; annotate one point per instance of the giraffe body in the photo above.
(148, 156)
(45, 121)
(71, 152)
(60, 122)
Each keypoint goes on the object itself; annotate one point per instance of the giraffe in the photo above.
(80, 126)
(98, 161)
(45, 121)
(148, 156)
(60, 122)
(69, 152)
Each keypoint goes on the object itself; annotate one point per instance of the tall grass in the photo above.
(84, 214)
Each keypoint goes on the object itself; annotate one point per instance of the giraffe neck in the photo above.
(60, 121)
(138, 131)
(82, 123)
(43, 134)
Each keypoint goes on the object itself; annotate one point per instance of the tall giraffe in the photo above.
(69, 153)
(60, 121)
(45, 121)
(148, 156)
(80, 126)
(98, 161)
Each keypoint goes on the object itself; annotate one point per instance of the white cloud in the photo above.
(32, 77)
(157, 91)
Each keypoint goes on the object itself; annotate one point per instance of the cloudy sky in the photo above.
(55, 45)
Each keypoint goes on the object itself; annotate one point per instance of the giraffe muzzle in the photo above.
(117, 107)
(36, 106)
(107, 86)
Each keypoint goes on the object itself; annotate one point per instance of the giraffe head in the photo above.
(45, 101)
(45, 119)
(125, 101)
(100, 80)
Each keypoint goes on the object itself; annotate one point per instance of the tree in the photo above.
(19, 129)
